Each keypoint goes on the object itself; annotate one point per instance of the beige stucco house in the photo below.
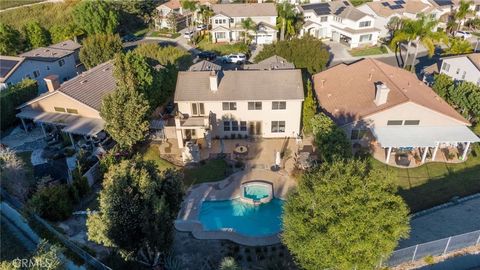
(238, 103)
(387, 107)
(74, 106)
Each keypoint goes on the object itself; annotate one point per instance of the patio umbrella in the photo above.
(277, 159)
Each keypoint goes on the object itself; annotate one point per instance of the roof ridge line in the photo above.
(388, 78)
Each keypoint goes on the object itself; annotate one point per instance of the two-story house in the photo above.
(389, 110)
(462, 67)
(227, 22)
(340, 22)
(39, 63)
(238, 103)
(169, 12)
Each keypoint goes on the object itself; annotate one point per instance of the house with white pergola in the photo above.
(390, 111)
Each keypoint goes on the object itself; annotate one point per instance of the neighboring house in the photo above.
(271, 63)
(462, 67)
(383, 11)
(39, 63)
(389, 109)
(227, 22)
(69, 45)
(226, 104)
(74, 106)
(204, 65)
(340, 22)
(174, 7)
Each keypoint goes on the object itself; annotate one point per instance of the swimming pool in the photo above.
(244, 218)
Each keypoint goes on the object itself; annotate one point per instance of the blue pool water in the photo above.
(243, 218)
(256, 192)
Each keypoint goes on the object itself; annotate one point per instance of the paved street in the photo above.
(458, 219)
(466, 262)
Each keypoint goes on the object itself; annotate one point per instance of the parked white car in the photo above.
(201, 27)
(463, 34)
(237, 58)
(189, 34)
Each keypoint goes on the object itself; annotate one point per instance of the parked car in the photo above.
(207, 55)
(129, 38)
(463, 34)
(201, 27)
(189, 34)
(237, 58)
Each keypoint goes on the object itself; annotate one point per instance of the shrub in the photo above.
(14, 96)
(53, 203)
(429, 259)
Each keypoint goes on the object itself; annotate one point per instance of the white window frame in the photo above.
(278, 126)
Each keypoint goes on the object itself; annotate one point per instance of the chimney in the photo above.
(213, 81)
(381, 93)
(52, 81)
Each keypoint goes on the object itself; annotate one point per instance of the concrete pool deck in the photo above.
(230, 188)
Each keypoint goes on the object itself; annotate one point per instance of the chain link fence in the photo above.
(89, 259)
(434, 248)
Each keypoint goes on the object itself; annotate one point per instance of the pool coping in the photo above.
(188, 218)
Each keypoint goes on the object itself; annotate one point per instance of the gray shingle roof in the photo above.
(273, 62)
(240, 85)
(337, 8)
(246, 10)
(46, 54)
(66, 45)
(91, 86)
(204, 65)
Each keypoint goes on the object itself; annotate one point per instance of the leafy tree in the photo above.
(189, 5)
(172, 19)
(286, 16)
(53, 203)
(206, 13)
(307, 53)
(248, 25)
(99, 48)
(61, 33)
(309, 109)
(13, 175)
(96, 17)
(137, 208)
(10, 43)
(466, 97)
(229, 263)
(344, 215)
(462, 12)
(330, 139)
(35, 35)
(168, 55)
(441, 84)
(394, 24)
(48, 256)
(458, 46)
(13, 96)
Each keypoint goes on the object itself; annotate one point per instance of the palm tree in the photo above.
(458, 46)
(462, 12)
(228, 263)
(206, 12)
(405, 34)
(286, 16)
(190, 6)
(247, 25)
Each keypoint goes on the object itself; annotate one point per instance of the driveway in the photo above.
(442, 223)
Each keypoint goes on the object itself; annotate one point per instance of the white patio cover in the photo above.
(71, 123)
(418, 136)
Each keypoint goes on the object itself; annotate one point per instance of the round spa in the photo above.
(256, 192)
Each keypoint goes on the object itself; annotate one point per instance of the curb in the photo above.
(445, 205)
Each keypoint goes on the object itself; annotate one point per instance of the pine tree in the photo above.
(309, 109)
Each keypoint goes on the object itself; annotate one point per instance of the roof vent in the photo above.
(37, 54)
(381, 93)
(83, 82)
(329, 95)
(323, 82)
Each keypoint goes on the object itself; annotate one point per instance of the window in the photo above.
(73, 111)
(365, 24)
(323, 19)
(198, 109)
(48, 67)
(61, 62)
(446, 66)
(458, 71)
(243, 125)
(257, 105)
(220, 35)
(58, 109)
(234, 125)
(278, 126)
(226, 125)
(365, 38)
(229, 106)
(394, 122)
(279, 105)
(231, 20)
(338, 19)
(358, 134)
(36, 73)
(411, 122)
(463, 75)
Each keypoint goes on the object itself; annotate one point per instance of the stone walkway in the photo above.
(21, 141)
(188, 217)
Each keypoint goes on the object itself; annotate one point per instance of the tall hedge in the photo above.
(14, 96)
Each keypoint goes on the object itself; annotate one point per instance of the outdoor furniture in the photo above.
(304, 160)
(240, 151)
(402, 159)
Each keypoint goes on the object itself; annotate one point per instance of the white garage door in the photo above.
(264, 39)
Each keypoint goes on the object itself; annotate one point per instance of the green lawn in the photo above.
(222, 48)
(151, 152)
(163, 33)
(368, 51)
(4, 4)
(10, 246)
(359, 2)
(436, 183)
(212, 170)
